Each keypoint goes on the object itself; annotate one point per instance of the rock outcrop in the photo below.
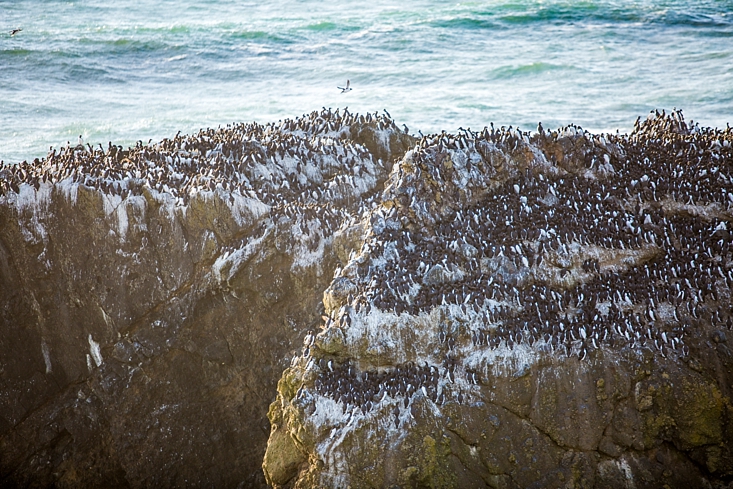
(150, 298)
(527, 310)
(491, 309)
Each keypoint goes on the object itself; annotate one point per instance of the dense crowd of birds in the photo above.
(630, 248)
(363, 390)
(309, 166)
(565, 262)
(540, 259)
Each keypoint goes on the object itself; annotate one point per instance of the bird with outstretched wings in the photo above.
(347, 88)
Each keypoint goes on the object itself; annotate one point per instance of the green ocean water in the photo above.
(139, 70)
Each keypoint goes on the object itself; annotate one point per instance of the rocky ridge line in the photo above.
(527, 310)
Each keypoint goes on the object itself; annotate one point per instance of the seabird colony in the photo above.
(563, 242)
(309, 170)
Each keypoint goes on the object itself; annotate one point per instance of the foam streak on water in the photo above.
(129, 70)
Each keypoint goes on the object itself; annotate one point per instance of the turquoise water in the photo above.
(127, 70)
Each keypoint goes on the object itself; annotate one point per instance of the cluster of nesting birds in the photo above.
(295, 162)
(631, 248)
(309, 170)
(363, 390)
(619, 240)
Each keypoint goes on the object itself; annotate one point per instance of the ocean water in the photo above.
(129, 70)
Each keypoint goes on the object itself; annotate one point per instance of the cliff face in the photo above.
(507, 309)
(151, 298)
(547, 310)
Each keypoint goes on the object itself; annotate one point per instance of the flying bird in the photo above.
(15, 31)
(347, 88)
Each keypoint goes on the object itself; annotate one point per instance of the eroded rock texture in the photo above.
(527, 310)
(150, 298)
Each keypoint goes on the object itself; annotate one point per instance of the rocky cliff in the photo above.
(527, 310)
(501, 309)
(150, 298)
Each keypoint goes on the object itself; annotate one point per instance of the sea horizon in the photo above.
(143, 71)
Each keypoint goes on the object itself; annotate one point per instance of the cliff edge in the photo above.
(483, 309)
(527, 310)
(151, 297)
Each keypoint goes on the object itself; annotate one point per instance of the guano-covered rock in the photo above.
(527, 310)
(150, 298)
(483, 309)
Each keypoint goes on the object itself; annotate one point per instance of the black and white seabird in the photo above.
(15, 31)
(347, 88)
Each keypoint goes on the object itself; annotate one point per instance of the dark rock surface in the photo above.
(527, 310)
(150, 298)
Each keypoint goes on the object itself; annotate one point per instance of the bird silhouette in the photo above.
(347, 88)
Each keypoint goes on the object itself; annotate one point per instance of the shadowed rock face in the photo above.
(546, 310)
(151, 298)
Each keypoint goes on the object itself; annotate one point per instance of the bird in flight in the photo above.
(15, 31)
(347, 88)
